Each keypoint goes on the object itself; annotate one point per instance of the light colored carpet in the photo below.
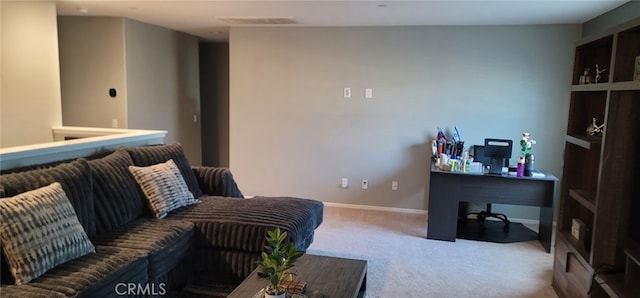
(403, 263)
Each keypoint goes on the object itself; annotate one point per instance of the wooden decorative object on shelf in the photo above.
(595, 130)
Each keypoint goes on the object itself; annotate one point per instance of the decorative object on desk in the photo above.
(520, 168)
(528, 164)
(434, 150)
(277, 260)
(527, 158)
(585, 78)
(442, 141)
(598, 72)
(595, 130)
(636, 72)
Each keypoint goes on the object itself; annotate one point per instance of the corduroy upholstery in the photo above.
(165, 241)
(227, 264)
(217, 182)
(117, 196)
(93, 275)
(231, 231)
(75, 179)
(150, 155)
(42, 232)
(241, 224)
(222, 234)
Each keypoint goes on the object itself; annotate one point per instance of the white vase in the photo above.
(283, 295)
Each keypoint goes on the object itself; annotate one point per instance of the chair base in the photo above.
(493, 231)
(482, 215)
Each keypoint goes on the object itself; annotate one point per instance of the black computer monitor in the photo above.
(498, 151)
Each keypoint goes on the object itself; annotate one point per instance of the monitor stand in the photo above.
(495, 167)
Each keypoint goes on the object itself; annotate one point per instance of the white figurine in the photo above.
(593, 129)
(598, 72)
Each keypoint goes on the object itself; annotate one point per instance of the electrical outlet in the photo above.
(394, 185)
(365, 184)
(347, 92)
(368, 93)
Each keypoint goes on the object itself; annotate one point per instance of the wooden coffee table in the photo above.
(326, 277)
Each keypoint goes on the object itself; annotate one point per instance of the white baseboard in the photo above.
(415, 211)
(377, 208)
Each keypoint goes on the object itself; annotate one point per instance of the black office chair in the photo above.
(478, 155)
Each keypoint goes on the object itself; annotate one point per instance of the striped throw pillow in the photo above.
(40, 230)
(163, 186)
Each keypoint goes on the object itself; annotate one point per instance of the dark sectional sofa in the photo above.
(136, 254)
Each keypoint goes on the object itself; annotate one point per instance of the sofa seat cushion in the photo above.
(40, 230)
(165, 241)
(241, 224)
(118, 199)
(93, 275)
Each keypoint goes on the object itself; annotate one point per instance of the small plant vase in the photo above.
(283, 295)
(528, 164)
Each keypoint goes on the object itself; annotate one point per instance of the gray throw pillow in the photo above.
(154, 154)
(163, 186)
(40, 230)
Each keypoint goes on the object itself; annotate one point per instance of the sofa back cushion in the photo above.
(150, 155)
(73, 176)
(75, 179)
(117, 197)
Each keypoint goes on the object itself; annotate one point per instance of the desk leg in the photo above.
(444, 194)
(545, 229)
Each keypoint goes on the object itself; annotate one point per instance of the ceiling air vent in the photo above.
(258, 20)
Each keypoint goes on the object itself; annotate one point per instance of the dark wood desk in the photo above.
(447, 189)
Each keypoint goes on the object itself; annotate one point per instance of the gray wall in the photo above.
(292, 132)
(622, 14)
(92, 61)
(29, 72)
(163, 84)
(214, 102)
(155, 71)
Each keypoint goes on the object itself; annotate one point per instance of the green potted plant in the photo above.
(277, 258)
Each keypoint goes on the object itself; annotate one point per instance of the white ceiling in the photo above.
(202, 17)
